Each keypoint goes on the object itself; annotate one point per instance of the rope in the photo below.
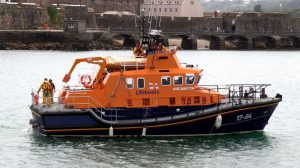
(158, 18)
(14, 108)
(151, 15)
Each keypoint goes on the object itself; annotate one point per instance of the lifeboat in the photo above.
(154, 95)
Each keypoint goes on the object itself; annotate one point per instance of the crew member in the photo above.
(161, 48)
(138, 51)
(45, 87)
(51, 92)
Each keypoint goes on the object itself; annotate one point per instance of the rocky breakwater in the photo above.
(53, 40)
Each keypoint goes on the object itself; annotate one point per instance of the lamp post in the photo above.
(142, 17)
(280, 5)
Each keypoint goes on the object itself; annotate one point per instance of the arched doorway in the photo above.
(264, 42)
(208, 42)
(236, 42)
(124, 40)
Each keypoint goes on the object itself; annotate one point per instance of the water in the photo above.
(277, 146)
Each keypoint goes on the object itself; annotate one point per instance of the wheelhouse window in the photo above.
(199, 78)
(189, 79)
(166, 81)
(129, 83)
(177, 80)
(141, 83)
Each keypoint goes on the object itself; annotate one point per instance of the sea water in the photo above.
(276, 146)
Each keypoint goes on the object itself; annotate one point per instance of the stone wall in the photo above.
(260, 22)
(17, 16)
(79, 13)
(132, 22)
(116, 21)
(200, 24)
(35, 40)
(243, 22)
(295, 24)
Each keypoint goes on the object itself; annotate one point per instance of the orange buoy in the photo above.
(36, 99)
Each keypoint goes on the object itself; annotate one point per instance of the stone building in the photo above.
(7, 1)
(173, 8)
(99, 6)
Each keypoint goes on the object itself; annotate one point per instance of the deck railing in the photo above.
(235, 93)
(57, 104)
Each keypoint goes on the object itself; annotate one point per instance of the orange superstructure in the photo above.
(156, 80)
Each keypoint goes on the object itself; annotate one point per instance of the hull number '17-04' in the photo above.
(243, 117)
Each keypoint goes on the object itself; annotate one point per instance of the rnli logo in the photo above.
(147, 92)
(153, 86)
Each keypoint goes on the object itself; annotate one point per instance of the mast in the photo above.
(150, 41)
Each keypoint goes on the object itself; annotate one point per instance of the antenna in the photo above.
(143, 20)
(135, 23)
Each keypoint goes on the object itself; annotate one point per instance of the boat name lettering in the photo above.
(183, 88)
(244, 117)
(146, 92)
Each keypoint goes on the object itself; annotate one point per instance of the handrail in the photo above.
(236, 92)
(91, 101)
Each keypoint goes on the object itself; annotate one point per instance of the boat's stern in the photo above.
(36, 121)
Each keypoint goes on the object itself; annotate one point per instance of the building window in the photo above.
(129, 83)
(172, 100)
(71, 25)
(176, 10)
(199, 78)
(149, 9)
(165, 9)
(146, 102)
(189, 79)
(177, 80)
(170, 9)
(196, 100)
(141, 83)
(154, 9)
(159, 9)
(166, 81)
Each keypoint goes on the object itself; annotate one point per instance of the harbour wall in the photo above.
(114, 39)
(23, 26)
(52, 40)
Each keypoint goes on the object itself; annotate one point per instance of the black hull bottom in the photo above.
(235, 119)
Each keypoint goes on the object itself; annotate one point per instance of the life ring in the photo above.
(85, 80)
